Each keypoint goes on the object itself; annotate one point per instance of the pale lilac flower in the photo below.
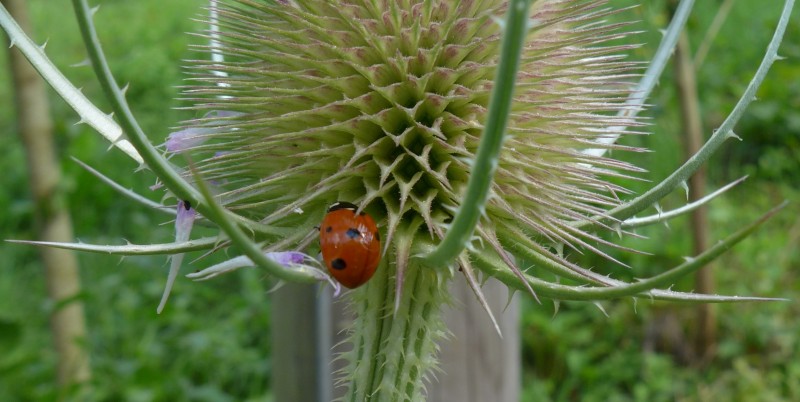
(183, 228)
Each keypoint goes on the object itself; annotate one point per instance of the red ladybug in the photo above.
(350, 244)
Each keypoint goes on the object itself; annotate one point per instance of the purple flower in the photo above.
(183, 228)
(287, 258)
(185, 139)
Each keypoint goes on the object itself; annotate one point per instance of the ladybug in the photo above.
(350, 244)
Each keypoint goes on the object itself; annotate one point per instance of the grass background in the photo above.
(212, 342)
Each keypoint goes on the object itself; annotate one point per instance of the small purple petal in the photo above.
(187, 138)
(183, 228)
(184, 221)
(180, 141)
(287, 258)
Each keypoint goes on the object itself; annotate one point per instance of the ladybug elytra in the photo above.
(350, 244)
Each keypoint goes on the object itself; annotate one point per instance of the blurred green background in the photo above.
(212, 341)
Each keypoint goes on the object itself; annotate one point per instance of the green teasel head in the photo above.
(383, 104)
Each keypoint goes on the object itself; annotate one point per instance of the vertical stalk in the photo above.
(393, 351)
(706, 332)
(53, 223)
(298, 357)
(477, 364)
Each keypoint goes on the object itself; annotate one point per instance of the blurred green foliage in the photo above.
(212, 343)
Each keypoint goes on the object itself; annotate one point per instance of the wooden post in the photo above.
(301, 343)
(477, 364)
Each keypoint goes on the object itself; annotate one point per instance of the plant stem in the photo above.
(394, 351)
(480, 181)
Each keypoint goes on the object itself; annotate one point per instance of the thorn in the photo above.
(12, 43)
(731, 134)
(124, 89)
(556, 305)
(94, 10)
(44, 45)
(779, 57)
(658, 208)
(511, 293)
(600, 306)
(560, 249)
(686, 189)
(83, 63)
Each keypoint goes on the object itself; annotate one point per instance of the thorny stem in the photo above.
(724, 132)
(160, 166)
(88, 112)
(635, 102)
(480, 181)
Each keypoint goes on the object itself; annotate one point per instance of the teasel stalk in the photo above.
(474, 132)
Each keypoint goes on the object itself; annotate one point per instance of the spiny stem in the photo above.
(480, 181)
(724, 132)
(205, 243)
(634, 103)
(88, 112)
(617, 289)
(152, 157)
(392, 351)
(217, 213)
(665, 216)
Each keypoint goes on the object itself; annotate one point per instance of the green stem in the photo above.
(480, 181)
(152, 157)
(217, 214)
(394, 350)
(635, 101)
(618, 289)
(725, 131)
(88, 112)
(205, 243)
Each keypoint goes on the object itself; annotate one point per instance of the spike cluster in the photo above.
(382, 104)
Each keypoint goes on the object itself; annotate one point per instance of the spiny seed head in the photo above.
(382, 104)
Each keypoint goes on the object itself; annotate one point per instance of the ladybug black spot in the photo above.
(353, 233)
(338, 264)
(328, 229)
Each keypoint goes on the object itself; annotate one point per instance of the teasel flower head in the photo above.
(383, 104)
